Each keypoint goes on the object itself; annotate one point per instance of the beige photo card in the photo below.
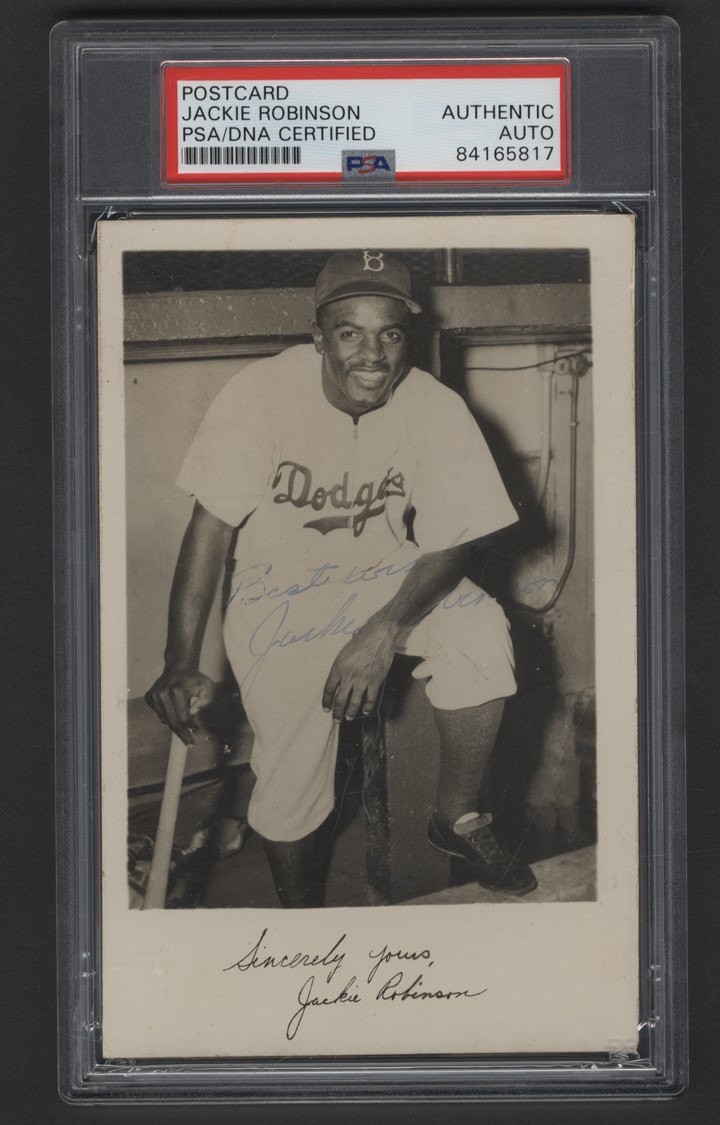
(305, 424)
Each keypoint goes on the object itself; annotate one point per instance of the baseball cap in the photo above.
(364, 273)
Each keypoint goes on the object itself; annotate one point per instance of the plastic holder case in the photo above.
(388, 803)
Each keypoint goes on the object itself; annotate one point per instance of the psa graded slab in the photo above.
(369, 630)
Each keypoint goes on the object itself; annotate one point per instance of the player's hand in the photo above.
(178, 695)
(358, 672)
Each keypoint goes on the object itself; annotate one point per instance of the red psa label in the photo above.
(258, 123)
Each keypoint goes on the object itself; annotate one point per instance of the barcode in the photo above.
(234, 155)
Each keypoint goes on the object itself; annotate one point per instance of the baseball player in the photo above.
(347, 486)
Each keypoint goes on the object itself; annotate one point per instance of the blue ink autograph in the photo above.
(252, 586)
(272, 631)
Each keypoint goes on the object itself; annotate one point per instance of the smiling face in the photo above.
(364, 345)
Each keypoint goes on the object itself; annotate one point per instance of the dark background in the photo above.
(28, 991)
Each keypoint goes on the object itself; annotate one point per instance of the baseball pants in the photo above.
(281, 649)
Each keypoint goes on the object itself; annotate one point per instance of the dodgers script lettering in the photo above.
(369, 498)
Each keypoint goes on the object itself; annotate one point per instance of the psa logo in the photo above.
(372, 162)
(358, 163)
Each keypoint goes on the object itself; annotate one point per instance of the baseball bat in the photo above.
(156, 892)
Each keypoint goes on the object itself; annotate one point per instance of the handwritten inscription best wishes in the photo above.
(379, 978)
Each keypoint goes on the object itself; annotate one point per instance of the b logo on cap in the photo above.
(370, 258)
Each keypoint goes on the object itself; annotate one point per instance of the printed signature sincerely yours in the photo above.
(369, 982)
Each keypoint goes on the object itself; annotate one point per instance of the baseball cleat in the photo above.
(495, 868)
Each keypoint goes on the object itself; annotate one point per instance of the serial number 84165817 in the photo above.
(505, 152)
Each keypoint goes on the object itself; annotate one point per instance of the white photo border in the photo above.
(562, 977)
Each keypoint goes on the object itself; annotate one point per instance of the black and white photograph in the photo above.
(367, 496)
(378, 454)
